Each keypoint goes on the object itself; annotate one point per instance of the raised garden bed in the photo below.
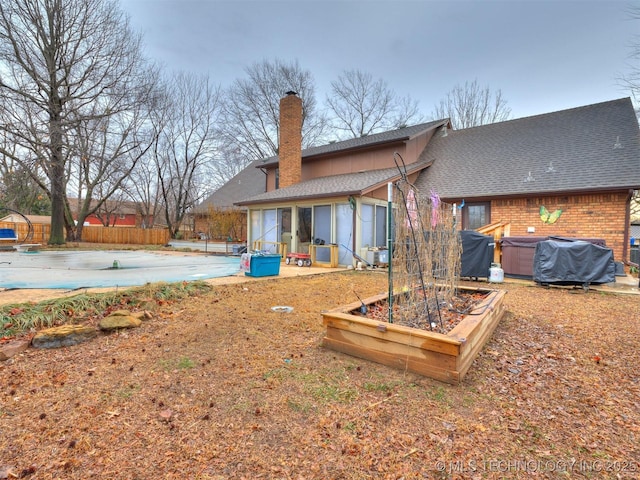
(446, 357)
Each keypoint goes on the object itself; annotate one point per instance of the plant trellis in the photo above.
(425, 259)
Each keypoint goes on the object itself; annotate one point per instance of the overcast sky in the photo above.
(543, 55)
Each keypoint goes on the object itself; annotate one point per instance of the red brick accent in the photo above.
(583, 216)
(290, 148)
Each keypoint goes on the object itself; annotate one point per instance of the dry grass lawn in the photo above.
(222, 387)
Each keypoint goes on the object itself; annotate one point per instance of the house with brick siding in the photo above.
(112, 213)
(583, 161)
(332, 199)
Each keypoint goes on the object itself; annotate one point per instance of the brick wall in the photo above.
(290, 148)
(584, 216)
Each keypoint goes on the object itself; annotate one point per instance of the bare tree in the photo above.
(186, 144)
(227, 164)
(631, 81)
(104, 152)
(110, 211)
(18, 191)
(251, 109)
(143, 188)
(362, 106)
(470, 106)
(62, 64)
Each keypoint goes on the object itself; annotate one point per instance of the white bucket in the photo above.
(496, 274)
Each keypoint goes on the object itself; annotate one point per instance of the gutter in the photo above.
(300, 198)
(627, 222)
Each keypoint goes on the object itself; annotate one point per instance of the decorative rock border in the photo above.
(69, 335)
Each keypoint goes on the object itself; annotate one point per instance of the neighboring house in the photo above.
(111, 213)
(583, 161)
(15, 218)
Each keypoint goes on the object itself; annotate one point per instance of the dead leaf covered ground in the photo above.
(220, 386)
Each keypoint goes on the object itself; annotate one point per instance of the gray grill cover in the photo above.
(576, 262)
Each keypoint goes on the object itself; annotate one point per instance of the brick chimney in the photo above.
(290, 148)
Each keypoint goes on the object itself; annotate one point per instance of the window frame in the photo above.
(465, 214)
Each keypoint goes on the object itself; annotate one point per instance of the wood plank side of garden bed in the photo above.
(426, 353)
(392, 332)
(401, 350)
(405, 362)
(442, 357)
(476, 330)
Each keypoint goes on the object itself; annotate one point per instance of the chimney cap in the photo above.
(291, 92)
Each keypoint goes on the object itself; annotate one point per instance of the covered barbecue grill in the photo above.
(477, 254)
(572, 263)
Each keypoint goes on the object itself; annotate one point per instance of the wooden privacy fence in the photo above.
(95, 234)
(125, 235)
(41, 231)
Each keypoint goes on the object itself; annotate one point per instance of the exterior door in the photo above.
(284, 227)
(304, 232)
(322, 231)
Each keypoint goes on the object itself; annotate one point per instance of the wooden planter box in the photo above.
(442, 357)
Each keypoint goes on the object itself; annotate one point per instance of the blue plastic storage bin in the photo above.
(264, 265)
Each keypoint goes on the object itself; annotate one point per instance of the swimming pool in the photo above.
(108, 268)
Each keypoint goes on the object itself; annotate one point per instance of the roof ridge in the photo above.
(367, 140)
(555, 112)
(413, 128)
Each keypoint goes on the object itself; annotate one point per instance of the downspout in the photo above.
(354, 229)
(627, 221)
(390, 233)
(265, 177)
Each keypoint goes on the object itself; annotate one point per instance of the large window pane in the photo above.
(344, 233)
(367, 224)
(255, 227)
(270, 229)
(381, 226)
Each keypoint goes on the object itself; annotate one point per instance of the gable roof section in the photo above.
(250, 184)
(566, 151)
(118, 207)
(15, 218)
(359, 183)
(250, 181)
(391, 136)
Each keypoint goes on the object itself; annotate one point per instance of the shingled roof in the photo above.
(397, 135)
(585, 149)
(249, 186)
(248, 182)
(358, 183)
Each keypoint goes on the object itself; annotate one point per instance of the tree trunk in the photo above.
(56, 176)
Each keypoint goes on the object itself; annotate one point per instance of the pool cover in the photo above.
(87, 269)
